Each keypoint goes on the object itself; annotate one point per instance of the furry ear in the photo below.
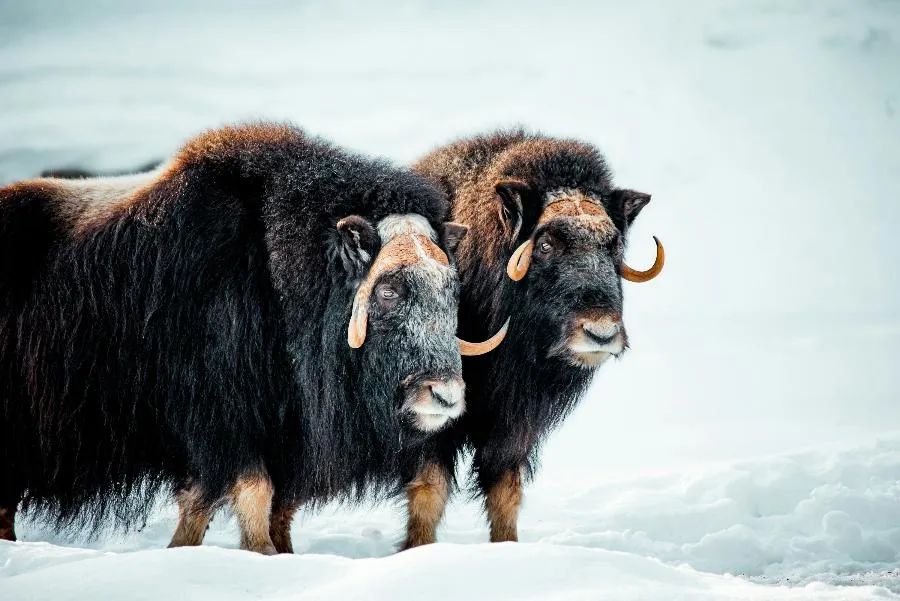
(357, 246)
(452, 235)
(630, 202)
(510, 193)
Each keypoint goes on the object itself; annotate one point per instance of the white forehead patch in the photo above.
(410, 224)
(398, 225)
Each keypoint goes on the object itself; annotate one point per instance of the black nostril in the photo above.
(601, 340)
(441, 400)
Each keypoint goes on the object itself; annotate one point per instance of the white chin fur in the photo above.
(429, 417)
(612, 348)
(588, 360)
(435, 405)
(429, 422)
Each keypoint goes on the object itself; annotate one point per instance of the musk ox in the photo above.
(546, 248)
(263, 312)
(546, 251)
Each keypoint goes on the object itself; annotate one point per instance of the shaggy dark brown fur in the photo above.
(509, 188)
(191, 325)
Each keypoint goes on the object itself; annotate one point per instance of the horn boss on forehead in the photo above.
(578, 207)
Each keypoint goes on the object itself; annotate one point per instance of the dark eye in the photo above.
(388, 295)
(544, 245)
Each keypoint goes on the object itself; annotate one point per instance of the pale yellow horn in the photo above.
(471, 349)
(520, 261)
(359, 321)
(632, 275)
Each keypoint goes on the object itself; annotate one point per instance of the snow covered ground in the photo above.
(769, 135)
(795, 521)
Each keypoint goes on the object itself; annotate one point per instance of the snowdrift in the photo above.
(814, 524)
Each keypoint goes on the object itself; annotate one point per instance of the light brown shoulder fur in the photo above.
(79, 205)
(225, 142)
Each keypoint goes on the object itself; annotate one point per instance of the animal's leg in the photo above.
(426, 498)
(10, 495)
(251, 499)
(502, 500)
(193, 517)
(280, 527)
(8, 522)
(499, 466)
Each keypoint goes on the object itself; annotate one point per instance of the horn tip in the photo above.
(514, 275)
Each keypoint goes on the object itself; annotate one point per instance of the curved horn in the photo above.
(519, 262)
(359, 321)
(632, 275)
(471, 349)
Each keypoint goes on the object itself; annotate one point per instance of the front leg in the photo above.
(502, 500)
(251, 500)
(498, 467)
(426, 498)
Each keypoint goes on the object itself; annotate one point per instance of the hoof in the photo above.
(407, 545)
(262, 549)
(283, 544)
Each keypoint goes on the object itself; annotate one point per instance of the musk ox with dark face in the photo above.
(545, 248)
(264, 312)
(575, 256)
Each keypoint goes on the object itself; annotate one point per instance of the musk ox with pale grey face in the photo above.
(265, 312)
(406, 300)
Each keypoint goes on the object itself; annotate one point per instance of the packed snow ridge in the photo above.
(817, 524)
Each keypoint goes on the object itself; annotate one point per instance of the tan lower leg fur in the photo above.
(502, 502)
(426, 498)
(193, 518)
(251, 499)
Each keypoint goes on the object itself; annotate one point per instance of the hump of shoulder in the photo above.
(451, 165)
(250, 143)
(546, 162)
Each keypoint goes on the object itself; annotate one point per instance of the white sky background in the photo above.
(767, 132)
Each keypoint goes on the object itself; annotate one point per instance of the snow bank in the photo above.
(496, 572)
(730, 531)
(767, 133)
(791, 518)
